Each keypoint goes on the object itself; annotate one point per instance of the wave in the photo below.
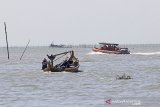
(95, 53)
(137, 53)
(147, 53)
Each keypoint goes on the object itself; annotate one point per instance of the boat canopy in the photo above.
(102, 43)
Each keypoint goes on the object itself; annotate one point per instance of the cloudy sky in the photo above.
(80, 21)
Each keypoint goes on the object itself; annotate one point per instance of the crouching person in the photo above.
(44, 64)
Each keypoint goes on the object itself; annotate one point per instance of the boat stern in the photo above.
(124, 51)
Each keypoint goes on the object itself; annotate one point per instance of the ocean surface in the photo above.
(24, 84)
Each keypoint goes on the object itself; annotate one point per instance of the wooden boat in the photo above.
(69, 65)
(111, 48)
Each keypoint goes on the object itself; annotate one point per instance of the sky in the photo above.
(80, 21)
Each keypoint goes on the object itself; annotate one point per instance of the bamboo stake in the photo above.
(25, 50)
(6, 38)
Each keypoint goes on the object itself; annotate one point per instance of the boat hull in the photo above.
(70, 69)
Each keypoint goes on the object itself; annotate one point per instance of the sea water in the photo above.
(24, 84)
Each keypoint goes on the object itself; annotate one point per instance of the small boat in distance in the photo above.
(124, 76)
(56, 46)
(111, 48)
(70, 64)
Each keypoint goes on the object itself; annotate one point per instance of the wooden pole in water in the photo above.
(6, 38)
(25, 50)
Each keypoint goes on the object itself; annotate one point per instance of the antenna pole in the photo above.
(6, 38)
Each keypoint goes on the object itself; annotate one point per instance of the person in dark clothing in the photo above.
(65, 63)
(52, 57)
(44, 63)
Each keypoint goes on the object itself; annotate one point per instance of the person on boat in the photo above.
(65, 63)
(61, 66)
(52, 57)
(44, 64)
(105, 47)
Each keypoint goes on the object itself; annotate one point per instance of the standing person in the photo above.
(52, 57)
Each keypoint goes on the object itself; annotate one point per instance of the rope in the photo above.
(60, 57)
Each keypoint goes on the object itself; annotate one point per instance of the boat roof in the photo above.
(103, 43)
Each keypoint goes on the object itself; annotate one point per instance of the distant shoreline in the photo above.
(82, 46)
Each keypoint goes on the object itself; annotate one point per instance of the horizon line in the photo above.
(78, 45)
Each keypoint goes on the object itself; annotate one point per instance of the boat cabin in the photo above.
(109, 46)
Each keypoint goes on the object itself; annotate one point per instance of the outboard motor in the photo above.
(124, 51)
